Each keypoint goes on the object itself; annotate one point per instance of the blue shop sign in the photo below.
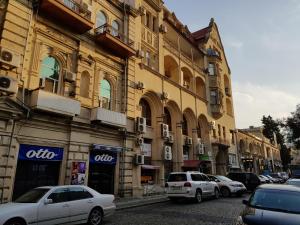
(40, 153)
(104, 157)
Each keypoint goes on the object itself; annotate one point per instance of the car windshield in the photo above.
(222, 178)
(177, 177)
(276, 200)
(32, 196)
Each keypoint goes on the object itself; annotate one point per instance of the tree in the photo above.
(271, 129)
(293, 127)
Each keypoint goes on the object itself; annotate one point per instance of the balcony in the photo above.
(220, 141)
(115, 41)
(70, 13)
(149, 37)
(108, 117)
(50, 102)
(214, 81)
(217, 110)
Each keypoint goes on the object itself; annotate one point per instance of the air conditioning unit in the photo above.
(9, 58)
(141, 125)
(69, 76)
(165, 96)
(164, 131)
(199, 140)
(140, 85)
(168, 152)
(188, 141)
(142, 11)
(213, 125)
(200, 148)
(163, 29)
(139, 141)
(8, 85)
(171, 138)
(139, 159)
(140, 54)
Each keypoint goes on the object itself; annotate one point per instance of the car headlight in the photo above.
(240, 221)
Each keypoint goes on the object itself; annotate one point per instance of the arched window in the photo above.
(146, 111)
(101, 20)
(184, 126)
(115, 28)
(49, 74)
(167, 118)
(105, 90)
(85, 84)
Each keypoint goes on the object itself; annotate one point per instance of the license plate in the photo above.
(175, 188)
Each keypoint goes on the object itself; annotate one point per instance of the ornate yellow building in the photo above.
(111, 94)
(256, 153)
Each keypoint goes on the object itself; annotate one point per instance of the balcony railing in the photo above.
(115, 40)
(220, 141)
(217, 110)
(214, 81)
(70, 13)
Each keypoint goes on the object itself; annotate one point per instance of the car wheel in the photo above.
(198, 196)
(217, 193)
(95, 217)
(15, 222)
(225, 192)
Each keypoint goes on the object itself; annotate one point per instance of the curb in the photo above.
(142, 202)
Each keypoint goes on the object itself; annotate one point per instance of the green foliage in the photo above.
(293, 127)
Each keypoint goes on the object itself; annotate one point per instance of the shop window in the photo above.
(211, 69)
(184, 126)
(101, 20)
(167, 118)
(213, 97)
(146, 111)
(50, 74)
(85, 84)
(115, 28)
(105, 96)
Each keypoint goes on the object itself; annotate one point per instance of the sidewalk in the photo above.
(124, 203)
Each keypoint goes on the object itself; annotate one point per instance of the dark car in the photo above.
(250, 180)
(272, 204)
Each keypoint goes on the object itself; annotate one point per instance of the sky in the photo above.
(261, 39)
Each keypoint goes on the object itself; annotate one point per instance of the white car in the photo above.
(228, 186)
(72, 204)
(192, 185)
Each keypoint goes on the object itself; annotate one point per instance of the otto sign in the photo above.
(104, 158)
(41, 154)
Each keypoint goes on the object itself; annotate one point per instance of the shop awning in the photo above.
(150, 167)
(106, 148)
(191, 163)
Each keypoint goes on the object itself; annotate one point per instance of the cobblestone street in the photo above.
(223, 211)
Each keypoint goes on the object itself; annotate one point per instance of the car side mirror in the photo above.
(245, 202)
(48, 201)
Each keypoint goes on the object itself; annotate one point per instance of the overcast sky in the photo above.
(262, 44)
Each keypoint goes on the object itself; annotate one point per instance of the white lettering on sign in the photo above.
(40, 154)
(104, 158)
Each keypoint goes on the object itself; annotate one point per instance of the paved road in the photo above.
(223, 211)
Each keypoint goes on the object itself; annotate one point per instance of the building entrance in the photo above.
(101, 178)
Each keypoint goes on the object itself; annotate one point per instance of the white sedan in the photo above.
(72, 204)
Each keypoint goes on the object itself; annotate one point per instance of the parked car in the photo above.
(264, 179)
(278, 177)
(295, 182)
(272, 205)
(191, 185)
(273, 179)
(227, 186)
(58, 205)
(250, 180)
(284, 175)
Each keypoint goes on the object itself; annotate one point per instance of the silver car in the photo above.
(58, 205)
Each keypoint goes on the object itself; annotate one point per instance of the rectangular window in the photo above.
(219, 130)
(213, 97)
(224, 132)
(148, 58)
(154, 24)
(211, 69)
(147, 22)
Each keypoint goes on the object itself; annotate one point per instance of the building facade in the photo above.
(111, 94)
(257, 153)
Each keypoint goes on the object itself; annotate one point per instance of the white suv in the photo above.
(192, 185)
